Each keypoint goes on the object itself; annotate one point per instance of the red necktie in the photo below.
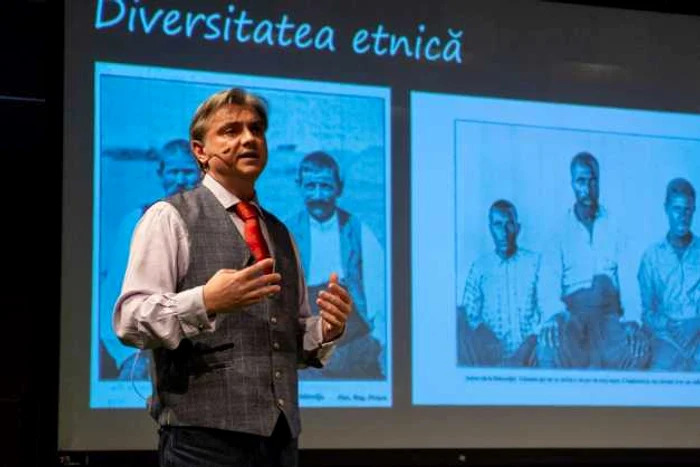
(253, 234)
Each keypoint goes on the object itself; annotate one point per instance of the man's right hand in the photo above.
(550, 334)
(230, 289)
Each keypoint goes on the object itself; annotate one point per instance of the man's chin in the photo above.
(320, 215)
(505, 252)
(250, 166)
(249, 173)
(174, 190)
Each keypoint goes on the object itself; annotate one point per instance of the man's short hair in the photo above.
(585, 159)
(504, 206)
(319, 160)
(680, 187)
(233, 96)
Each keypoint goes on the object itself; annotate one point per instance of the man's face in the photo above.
(234, 145)
(320, 190)
(680, 210)
(179, 172)
(504, 231)
(584, 181)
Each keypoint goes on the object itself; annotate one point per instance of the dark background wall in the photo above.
(31, 83)
(30, 147)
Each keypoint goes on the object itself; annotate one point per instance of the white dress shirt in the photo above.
(575, 256)
(149, 313)
(326, 259)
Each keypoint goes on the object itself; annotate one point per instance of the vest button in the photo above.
(278, 374)
(276, 345)
(273, 320)
(280, 402)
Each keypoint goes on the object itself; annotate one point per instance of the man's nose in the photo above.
(247, 136)
(316, 193)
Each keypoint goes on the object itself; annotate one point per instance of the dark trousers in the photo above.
(481, 347)
(591, 333)
(181, 446)
(669, 356)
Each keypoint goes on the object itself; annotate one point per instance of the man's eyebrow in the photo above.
(230, 124)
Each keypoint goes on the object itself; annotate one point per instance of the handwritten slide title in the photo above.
(237, 26)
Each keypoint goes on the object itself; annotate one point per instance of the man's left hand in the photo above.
(636, 340)
(335, 304)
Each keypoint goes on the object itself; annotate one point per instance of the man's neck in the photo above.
(680, 242)
(242, 189)
(586, 214)
(325, 221)
(508, 254)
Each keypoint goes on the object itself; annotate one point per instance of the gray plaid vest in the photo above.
(244, 374)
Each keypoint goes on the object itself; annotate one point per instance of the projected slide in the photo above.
(554, 254)
(327, 178)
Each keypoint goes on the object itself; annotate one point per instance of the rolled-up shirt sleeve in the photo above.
(149, 313)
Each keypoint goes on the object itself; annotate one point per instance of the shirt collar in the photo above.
(326, 225)
(601, 214)
(513, 258)
(227, 199)
(691, 246)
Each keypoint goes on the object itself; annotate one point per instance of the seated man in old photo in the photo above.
(499, 313)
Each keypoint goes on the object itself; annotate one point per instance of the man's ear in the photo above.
(198, 150)
(153, 154)
(341, 185)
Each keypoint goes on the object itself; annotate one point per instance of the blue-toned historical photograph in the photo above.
(326, 179)
(576, 249)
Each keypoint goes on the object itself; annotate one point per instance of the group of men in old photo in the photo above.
(562, 307)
